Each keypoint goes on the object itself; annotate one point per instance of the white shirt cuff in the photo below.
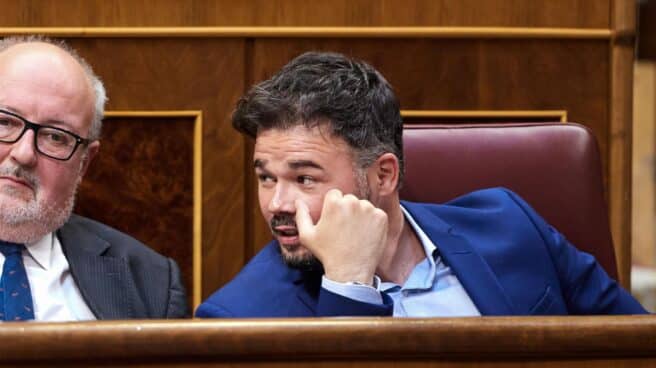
(356, 291)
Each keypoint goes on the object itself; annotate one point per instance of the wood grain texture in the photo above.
(647, 30)
(533, 342)
(620, 136)
(188, 74)
(643, 206)
(141, 184)
(149, 13)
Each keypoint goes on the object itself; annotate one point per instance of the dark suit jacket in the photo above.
(119, 277)
(507, 258)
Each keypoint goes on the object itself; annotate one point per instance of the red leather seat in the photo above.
(555, 167)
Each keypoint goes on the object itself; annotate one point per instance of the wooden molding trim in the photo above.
(318, 32)
(324, 339)
(557, 115)
(197, 185)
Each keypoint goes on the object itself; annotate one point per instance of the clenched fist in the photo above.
(348, 239)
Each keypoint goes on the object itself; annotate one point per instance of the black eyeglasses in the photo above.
(49, 141)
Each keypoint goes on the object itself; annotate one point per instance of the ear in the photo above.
(386, 174)
(92, 150)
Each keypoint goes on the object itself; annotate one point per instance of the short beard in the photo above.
(29, 223)
(308, 262)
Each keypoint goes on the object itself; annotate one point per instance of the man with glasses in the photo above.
(57, 266)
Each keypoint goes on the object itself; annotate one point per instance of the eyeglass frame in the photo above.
(35, 128)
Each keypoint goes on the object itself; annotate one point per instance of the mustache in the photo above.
(283, 219)
(20, 173)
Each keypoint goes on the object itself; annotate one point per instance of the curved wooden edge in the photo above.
(322, 338)
(319, 32)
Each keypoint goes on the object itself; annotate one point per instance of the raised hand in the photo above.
(348, 239)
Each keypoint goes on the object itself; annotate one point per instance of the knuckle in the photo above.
(333, 196)
(334, 193)
(380, 214)
(349, 201)
(367, 207)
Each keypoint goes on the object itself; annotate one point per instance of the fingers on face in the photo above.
(304, 222)
(335, 201)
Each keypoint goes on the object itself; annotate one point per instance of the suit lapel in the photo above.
(104, 281)
(471, 269)
(309, 285)
(309, 302)
(306, 285)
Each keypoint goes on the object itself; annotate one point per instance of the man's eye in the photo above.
(56, 138)
(9, 123)
(305, 180)
(263, 178)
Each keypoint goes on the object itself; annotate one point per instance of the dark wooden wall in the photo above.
(174, 174)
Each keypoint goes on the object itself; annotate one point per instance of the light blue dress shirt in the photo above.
(431, 290)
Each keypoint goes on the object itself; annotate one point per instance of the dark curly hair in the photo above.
(316, 88)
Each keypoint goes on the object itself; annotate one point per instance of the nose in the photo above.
(282, 200)
(23, 151)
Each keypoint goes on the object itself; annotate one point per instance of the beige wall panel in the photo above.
(498, 13)
(644, 137)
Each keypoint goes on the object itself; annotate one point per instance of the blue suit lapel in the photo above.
(471, 269)
(105, 282)
(306, 284)
(308, 293)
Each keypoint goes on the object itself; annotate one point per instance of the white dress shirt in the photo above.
(55, 295)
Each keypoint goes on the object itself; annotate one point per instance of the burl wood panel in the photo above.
(141, 184)
(647, 30)
(497, 13)
(571, 75)
(201, 74)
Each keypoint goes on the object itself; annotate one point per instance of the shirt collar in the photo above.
(429, 246)
(41, 250)
(424, 273)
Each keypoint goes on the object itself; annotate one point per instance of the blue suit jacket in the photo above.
(508, 259)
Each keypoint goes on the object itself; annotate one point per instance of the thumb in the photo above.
(304, 222)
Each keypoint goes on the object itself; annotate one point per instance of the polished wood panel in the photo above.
(141, 184)
(150, 13)
(456, 55)
(188, 74)
(482, 116)
(647, 30)
(321, 32)
(372, 342)
(620, 135)
(644, 157)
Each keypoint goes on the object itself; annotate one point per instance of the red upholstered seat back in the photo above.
(555, 167)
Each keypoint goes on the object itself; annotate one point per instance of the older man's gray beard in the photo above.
(32, 221)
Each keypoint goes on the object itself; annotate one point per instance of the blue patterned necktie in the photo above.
(15, 295)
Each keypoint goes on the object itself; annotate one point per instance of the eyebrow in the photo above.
(294, 165)
(50, 122)
(299, 164)
(259, 164)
